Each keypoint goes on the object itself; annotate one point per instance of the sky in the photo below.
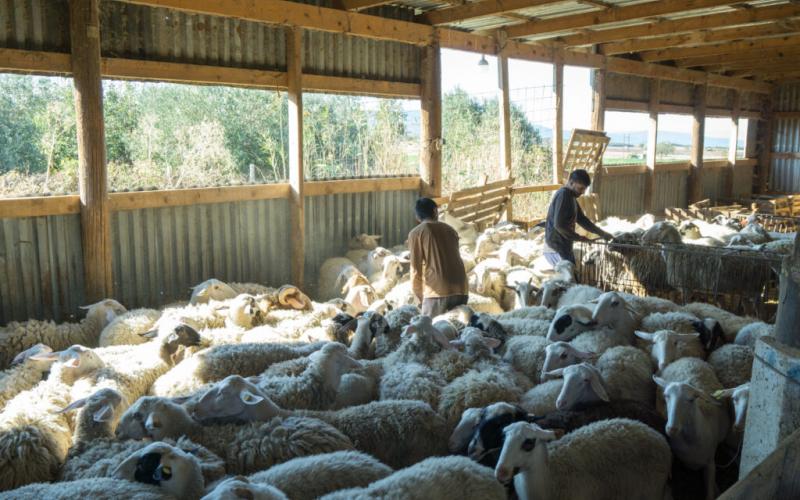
(460, 69)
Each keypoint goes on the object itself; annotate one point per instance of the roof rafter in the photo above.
(720, 49)
(479, 9)
(682, 25)
(776, 56)
(613, 15)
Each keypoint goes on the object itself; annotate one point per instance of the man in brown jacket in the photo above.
(438, 277)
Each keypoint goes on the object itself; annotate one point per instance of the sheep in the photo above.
(600, 340)
(333, 274)
(386, 280)
(520, 326)
(696, 424)
(749, 334)
(401, 295)
(212, 289)
(485, 440)
(360, 297)
(73, 363)
(542, 398)
(104, 487)
(519, 281)
(245, 448)
(613, 311)
(359, 386)
(370, 262)
(526, 354)
(532, 312)
(128, 327)
(693, 371)
(467, 233)
(562, 354)
(667, 346)
(217, 362)
(483, 304)
(519, 252)
(731, 324)
(578, 294)
(364, 241)
(490, 279)
(636, 461)
(739, 398)
(584, 385)
(17, 337)
(439, 477)
(732, 364)
(241, 487)
(26, 371)
(412, 381)
(569, 322)
(397, 432)
(709, 330)
(314, 476)
(369, 326)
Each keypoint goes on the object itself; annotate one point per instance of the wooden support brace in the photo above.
(695, 178)
(294, 49)
(732, 146)
(504, 98)
(431, 122)
(652, 140)
(84, 20)
(765, 146)
(558, 123)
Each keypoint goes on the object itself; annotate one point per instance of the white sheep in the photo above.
(16, 337)
(385, 280)
(578, 294)
(241, 487)
(667, 346)
(483, 304)
(562, 354)
(439, 477)
(749, 334)
(128, 327)
(519, 252)
(526, 354)
(569, 322)
(541, 400)
(412, 381)
(333, 274)
(372, 262)
(739, 398)
(615, 458)
(245, 448)
(532, 312)
(693, 371)
(733, 364)
(26, 371)
(467, 233)
(613, 311)
(731, 323)
(101, 487)
(364, 241)
(521, 326)
(600, 340)
(317, 475)
(212, 289)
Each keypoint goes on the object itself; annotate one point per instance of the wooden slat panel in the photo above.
(626, 170)
(535, 189)
(320, 188)
(458, 202)
(153, 199)
(39, 206)
(489, 202)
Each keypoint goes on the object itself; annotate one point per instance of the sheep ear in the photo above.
(457, 344)
(710, 399)
(491, 342)
(127, 468)
(74, 405)
(558, 372)
(45, 356)
(584, 322)
(644, 335)
(203, 292)
(149, 335)
(660, 381)
(688, 335)
(104, 414)
(249, 398)
(599, 388)
(585, 355)
(722, 394)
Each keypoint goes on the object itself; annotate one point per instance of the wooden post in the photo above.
(558, 122)
(695, 179)
(504, 101)
(294, 50)
(84, 20)
(765, 146)
(652, 141)
(598, 99)
(430, 167)
(787, 319)
(732, 146)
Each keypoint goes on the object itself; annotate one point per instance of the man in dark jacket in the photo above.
(562, 215)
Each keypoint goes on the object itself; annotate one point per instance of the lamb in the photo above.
(245, 448)
(212, 289)
(731, 324)
(749, 334)
(241, 487)
(440, 477)
(667, 346)
(524, 291)
(26, 371)
(696, 424)
(17, 337)
(569, 322)
(128, 327)
(637, 461)
(526, 354)
(732, 364)
(396, 432)
(317, 475)
(216, 363)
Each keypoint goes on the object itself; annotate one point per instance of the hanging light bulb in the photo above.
(483, 64)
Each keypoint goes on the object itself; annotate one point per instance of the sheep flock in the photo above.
(540, 387)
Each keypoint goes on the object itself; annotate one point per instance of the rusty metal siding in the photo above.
(670, 191)
(622, 195)
(785, 172)
(41, 268)
(34, 25)
(159, 253)
(331, 221)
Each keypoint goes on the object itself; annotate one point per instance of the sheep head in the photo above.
(364, 241)
(666, 345)
(739, 398)
(583, 385)
(291, 297)
(155, 418)
(105, 407)
(73, 362)
(569, 322)
(212, 289)
(241, 487)
(28, 354)
(562, 354)
(520, 438)
(176, 472)
(688, 409)
(234, 400)
(105, 310)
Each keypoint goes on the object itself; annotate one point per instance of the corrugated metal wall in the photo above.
(159, 253)
(714, 183)
(41, 268)
(34, 25)
(670, 190)
(332, 220)
(622, 195)
(742, 181)
(785, 172)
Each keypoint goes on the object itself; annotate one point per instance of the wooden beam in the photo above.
(135, 69)
(624, 170)
(598, 99)
(357, 5)
(322, 188)
(684, 24)
(675, 166)
(699, 38)
(652, 140)
(504, 100)
(294, 53)
(721, 49)
(695, 179)
(34, 61)
(84, 23)
(304, 16)
(558, 123)
(360, 86)
(137, 200)
(731, 60)
(733, 143)
(479, 9)
(613, 15)
(39, 206)
(536, 188)
(431, 122)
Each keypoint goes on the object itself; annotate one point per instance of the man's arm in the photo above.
(562, 219)
(588, 225)
(415, 248)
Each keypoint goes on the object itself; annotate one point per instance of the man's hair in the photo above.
(581, 176)
(424, 208)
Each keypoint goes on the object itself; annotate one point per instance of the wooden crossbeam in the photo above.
(754, 66)
(671, 27)
(613, 15)
(721, 49)
(729, 59)
(357, 5)
(479, 9)
(700, 38)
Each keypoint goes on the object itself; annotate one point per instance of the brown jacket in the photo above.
(436, 266)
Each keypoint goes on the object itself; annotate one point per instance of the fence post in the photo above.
(294, 50)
